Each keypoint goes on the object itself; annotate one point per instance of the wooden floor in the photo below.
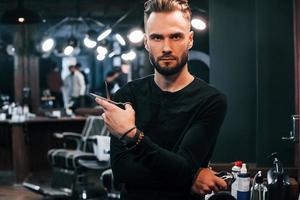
(18, 193)
(12, 191)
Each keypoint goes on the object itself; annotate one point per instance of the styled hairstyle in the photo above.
(167, 6)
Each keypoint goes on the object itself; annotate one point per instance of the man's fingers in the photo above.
(128, 106)
(215, 188)
(202, 189)
(104, 116)
(105, 104)
(105, 119)
(206, 182)
(221, 183)
(101, 103)
(205, 190)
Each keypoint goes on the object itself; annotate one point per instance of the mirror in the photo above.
(247, 54)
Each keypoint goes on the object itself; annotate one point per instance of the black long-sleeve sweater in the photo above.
(180, 130)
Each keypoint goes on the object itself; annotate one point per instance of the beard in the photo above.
(169, 70)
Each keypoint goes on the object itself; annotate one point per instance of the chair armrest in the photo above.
(70, 136)
(92, 162)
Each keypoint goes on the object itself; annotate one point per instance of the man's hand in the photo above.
(206, 182)
(117, 120)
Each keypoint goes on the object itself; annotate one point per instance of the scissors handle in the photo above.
(226, 176)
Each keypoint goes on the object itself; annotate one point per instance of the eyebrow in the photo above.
(177, 34)
(153, 35)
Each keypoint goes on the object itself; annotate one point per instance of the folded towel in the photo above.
(102, 147)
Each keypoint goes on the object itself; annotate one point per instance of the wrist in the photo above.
(127, 132)
(132, 133)
(131, 142)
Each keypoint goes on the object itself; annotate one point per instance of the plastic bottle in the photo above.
(235, 170)
(243, 192)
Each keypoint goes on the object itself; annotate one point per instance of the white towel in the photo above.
(102, 147)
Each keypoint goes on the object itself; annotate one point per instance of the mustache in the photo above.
(167, 56)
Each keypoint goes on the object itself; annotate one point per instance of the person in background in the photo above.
(78, 86)
(55, 84)
(122, 79)
(67, 88)
(112, 84)
(163, 140)
(85, 76)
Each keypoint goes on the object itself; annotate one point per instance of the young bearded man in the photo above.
(164, 138)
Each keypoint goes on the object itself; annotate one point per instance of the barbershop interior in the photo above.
(54, 143)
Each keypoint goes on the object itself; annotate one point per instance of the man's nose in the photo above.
(166, 47)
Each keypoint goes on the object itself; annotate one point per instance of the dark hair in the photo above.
(167, 6)
(117, 69)
(71, 66)
(78, 65)
(111, 73)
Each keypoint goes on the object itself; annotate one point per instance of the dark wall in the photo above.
(251, 56)
(6, 62)
(6, 75)
(275, 69)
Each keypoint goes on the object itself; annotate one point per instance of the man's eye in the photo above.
(175, 37)
(157, 38)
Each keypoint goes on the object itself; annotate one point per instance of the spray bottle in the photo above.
(243, 192)
(235, 170)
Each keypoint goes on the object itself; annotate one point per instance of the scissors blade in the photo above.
(106, 90)
(102, 98)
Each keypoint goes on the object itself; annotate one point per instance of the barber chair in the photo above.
(111, 187)
(221, 196)
(72, 169)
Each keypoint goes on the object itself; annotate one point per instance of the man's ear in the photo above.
(146, 43)
(191, 39)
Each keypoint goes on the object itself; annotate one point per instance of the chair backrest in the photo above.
(94, 125)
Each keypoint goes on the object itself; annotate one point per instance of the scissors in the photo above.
(226, 176)
(120, 104)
